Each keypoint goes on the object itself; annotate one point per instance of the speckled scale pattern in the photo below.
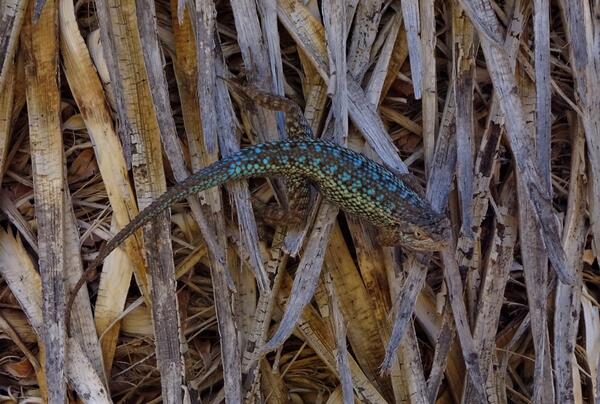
(355, 183)
(297, 127)
(348, 179)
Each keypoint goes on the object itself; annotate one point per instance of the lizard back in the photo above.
(346, 178)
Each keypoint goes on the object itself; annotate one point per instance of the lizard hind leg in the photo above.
(270, 214)
(299, 197)
(274, 215)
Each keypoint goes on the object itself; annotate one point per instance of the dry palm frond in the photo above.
(493, 105)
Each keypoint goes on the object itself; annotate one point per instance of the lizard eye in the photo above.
(420, 234)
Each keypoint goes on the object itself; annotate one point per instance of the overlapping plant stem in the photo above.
(492, 105)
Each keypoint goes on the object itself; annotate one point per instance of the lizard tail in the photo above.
(208, 177)
(248, 163)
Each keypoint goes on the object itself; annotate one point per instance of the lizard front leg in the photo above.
(387, 236)
(297, 127)
(299, 196)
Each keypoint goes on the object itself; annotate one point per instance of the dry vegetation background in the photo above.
(478, 102)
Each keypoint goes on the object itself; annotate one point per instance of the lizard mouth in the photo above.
(440, 236)
(436, 235)
(429, 245)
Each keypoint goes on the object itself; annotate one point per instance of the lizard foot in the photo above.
(387, 237)
(273, 215)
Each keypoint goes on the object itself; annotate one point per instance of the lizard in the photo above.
(394, 203)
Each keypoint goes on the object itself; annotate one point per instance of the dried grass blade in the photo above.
(6, 110)
(591, 318)
(13, 13)
(438, 188)
(399, 55)
(339, 328)
(256, 63)
(468, 249)
(365, 327)
(504, 83)
(306, 278)
(404, 306)
(469, 350)
(258, 71)
(387, 62)
(413, 368)
(260, 324)
(17, 220)
(186, 72)
(412, 26)
(429, 80)
(308, 34)
(568, 298)
(25, 283)
(543, 118)
(272, 386)
(364, 32)
(496, 271)
(535, 260)
(111, 52)
(203, 20)
(89, 95)
(442, 349)
(316, 332)
(120, 36)
(334, 16)
(82, 322)
(40, 43)
(464, 64)
(268, 15)
(583, 37)
(406, 372)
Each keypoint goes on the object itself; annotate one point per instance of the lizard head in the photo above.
(432, 234)
(417, 226)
